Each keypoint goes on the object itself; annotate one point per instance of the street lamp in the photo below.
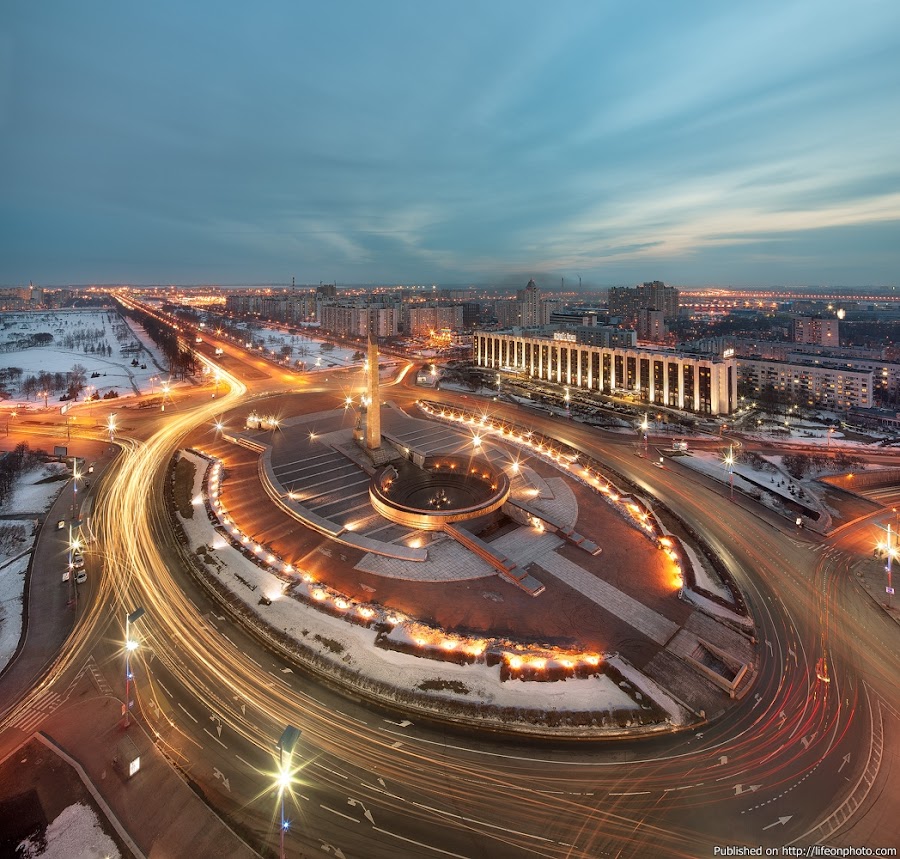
(9, 416)
(111, 427)
(130, 645)
(729, 462)
(285, 747)
(645, 426)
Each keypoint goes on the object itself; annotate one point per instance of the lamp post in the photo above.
(285, 747)
(111, 427)
(645, 426)
(73, 547)
(9, 417)
(130, 645)
(729, 461)
(75, 478)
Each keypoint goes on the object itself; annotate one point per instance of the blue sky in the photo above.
(389, 142)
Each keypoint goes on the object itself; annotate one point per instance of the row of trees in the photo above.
(12, 464)
(44, 383)
(800, 464)
(180, 358)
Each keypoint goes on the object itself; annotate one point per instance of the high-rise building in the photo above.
(530, 305)
(817, 330)
(651, 325)
(627, 301)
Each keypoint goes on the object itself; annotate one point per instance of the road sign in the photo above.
(889, 591)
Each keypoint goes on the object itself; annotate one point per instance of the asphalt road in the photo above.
(795, 754)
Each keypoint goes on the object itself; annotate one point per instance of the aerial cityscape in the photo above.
(461, 431)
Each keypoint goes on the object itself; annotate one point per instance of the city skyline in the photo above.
(399, 144)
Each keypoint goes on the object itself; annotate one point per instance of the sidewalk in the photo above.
(870, 573)
(159, 812)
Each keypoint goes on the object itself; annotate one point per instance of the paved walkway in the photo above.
(646, 621)
(447, 562)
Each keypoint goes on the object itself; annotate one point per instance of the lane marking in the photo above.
(339, 813)
(188, 715)
(215, 738)
(420, 844)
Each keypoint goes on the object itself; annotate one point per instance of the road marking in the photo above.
(162, 686)
(339, 813)
(511, 831)
(218, 774)
(846, 760)
(333, 772)
(215, 738)
(632, 793)
(420, 844)
(246, 763)
(751, 788)
(348, 716)
(189, 715)
(251, 658)
(403, 724)
(279, 679)
(436, 810)
(781, 821)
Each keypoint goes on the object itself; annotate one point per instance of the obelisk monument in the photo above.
(373, 410)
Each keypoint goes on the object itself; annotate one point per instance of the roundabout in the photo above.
(481, 554)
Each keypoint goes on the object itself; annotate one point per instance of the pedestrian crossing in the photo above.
(49, 701)
(46, 703)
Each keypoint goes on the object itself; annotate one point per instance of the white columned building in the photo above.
(706, 384)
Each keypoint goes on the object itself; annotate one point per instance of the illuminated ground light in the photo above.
(426, 637)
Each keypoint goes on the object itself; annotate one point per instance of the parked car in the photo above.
(81, 577)
(77, 562)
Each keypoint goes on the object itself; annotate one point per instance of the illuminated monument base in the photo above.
(445, 490)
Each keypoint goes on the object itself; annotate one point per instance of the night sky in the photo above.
(468, 142)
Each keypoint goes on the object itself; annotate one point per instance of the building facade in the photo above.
(817, 330)
(699, 383)
(424, 320)
(824, 385)
(626, 302)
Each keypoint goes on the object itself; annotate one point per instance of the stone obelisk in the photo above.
(373, 411)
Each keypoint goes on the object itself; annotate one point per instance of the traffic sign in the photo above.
(889, 591)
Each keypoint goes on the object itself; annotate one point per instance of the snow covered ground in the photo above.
(77, 833)
(29, 496)
(334, 637)
(12, 590)
(770, 483)
(100, 341)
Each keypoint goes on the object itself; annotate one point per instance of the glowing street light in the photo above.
(285, 747)
(729, 462)
(111, 427)
(130, 646)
